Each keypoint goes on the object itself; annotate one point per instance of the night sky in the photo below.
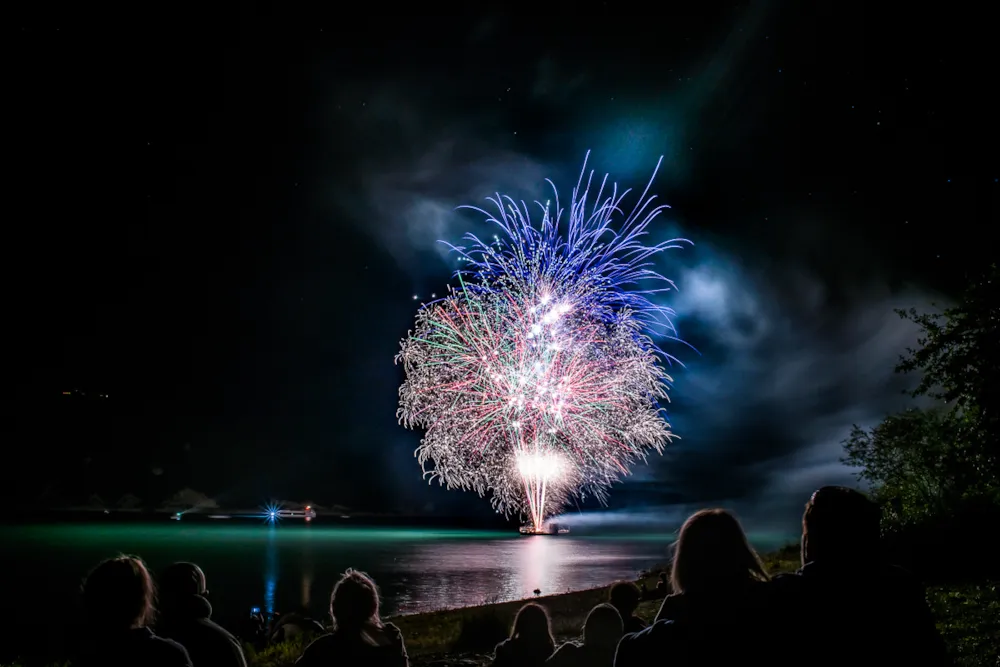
(220, 220)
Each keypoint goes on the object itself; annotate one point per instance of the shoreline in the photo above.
(466, 636)
(435, 633)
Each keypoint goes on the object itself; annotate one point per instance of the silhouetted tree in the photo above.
(958, 356)
(911, 461)
(931, 462)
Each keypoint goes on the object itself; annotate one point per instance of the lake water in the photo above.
(282, 567)
(291, 565)
(286, 566)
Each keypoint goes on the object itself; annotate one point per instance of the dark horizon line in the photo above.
(366, 519)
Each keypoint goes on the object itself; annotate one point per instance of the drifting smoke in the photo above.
(791, 353)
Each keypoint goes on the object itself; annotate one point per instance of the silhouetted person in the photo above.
(625, 597)
(601, 632)
(186, 617)
(293, 624)
(530, 643)
(717, 611)
(118, 606)
(661, 585)
(713, 566)
(845, 606)
(359, 635)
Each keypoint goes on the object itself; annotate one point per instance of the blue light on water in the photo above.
(271, 511)
(271, 585)
(271, 569)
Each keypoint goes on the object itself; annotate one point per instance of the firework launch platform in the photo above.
(548, 529)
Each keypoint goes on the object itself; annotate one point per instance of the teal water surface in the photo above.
(294, 565)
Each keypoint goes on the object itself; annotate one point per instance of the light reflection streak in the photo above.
(307, 568)
(445, 575)
(271, 568)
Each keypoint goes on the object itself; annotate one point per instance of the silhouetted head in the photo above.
(532, 626)
(354, 602)
(712, 553)
(182, 580)
(839, 525)
(119, 594)
(625, 597)
(603, 627)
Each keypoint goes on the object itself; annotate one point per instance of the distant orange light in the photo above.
(67, 393)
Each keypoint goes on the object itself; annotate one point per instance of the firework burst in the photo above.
(537, 378)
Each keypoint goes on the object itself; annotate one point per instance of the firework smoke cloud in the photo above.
(537, 377)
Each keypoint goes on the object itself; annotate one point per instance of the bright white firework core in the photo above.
(540, 470)
(542, 466)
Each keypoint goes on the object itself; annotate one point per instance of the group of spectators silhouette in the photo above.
(840, 608)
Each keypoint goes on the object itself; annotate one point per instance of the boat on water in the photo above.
(307, 513)
(272, 514)
(547, 529)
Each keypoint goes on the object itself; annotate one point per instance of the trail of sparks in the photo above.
(537, 378)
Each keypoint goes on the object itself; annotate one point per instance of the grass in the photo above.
(968, 617)
(278, 655)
